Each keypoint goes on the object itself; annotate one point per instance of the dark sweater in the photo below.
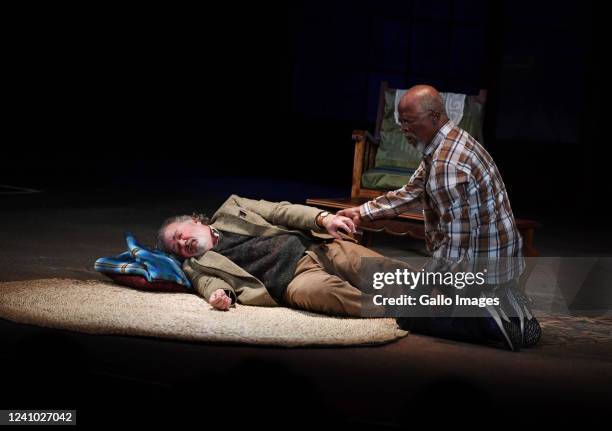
(270, 259)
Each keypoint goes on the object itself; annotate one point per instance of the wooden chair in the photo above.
(373, 175)
(379, 167)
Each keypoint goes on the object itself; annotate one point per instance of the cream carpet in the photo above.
(98, 307)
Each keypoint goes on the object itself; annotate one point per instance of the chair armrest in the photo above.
(366, 146)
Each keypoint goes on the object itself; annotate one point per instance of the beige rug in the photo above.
(98, 307)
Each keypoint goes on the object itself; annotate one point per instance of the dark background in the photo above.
(115, 95)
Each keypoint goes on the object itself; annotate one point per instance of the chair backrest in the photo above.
(394, 150)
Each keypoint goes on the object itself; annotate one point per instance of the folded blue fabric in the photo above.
(154, 265)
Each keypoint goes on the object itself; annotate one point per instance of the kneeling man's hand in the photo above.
(353, 213)
(220, 300)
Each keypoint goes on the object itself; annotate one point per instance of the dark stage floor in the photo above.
(61, 231)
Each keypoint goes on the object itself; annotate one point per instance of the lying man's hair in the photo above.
(202, 218)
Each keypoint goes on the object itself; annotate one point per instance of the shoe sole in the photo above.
(532, 333)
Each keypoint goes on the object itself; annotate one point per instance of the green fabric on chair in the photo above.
(396, 159)
(472, 119)
(386, 178)
(394, 150)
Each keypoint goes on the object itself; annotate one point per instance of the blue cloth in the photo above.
(154, 265)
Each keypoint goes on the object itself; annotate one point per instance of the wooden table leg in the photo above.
(528, 249)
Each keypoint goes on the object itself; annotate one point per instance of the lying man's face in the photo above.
(187, 238)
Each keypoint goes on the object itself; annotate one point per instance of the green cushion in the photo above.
(394, 150)
(471, 122)
(386, 178)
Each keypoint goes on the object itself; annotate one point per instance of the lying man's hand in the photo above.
(220, 300)
(332, 223)
(353, 213)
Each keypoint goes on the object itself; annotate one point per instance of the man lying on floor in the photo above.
(266, 254)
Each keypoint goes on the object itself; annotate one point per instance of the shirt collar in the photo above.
(438, 138)
(215, 235)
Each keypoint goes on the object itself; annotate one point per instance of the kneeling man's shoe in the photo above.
(497, 325)
(530, 327)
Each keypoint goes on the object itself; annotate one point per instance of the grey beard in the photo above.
(201, 245)
(416, 143)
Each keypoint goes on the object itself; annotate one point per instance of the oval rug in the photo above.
(99, 307)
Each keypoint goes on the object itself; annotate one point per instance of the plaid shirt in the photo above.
(465, 204)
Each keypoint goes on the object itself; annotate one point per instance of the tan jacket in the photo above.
(212, 271)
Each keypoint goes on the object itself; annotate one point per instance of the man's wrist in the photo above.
(319, 219)
(230, 294)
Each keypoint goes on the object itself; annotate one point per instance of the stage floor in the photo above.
(60, 232)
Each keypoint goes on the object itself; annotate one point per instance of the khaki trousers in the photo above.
(331, 284)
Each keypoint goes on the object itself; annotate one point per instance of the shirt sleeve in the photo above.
(205, 285)
(395, 202)
(294, 216)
